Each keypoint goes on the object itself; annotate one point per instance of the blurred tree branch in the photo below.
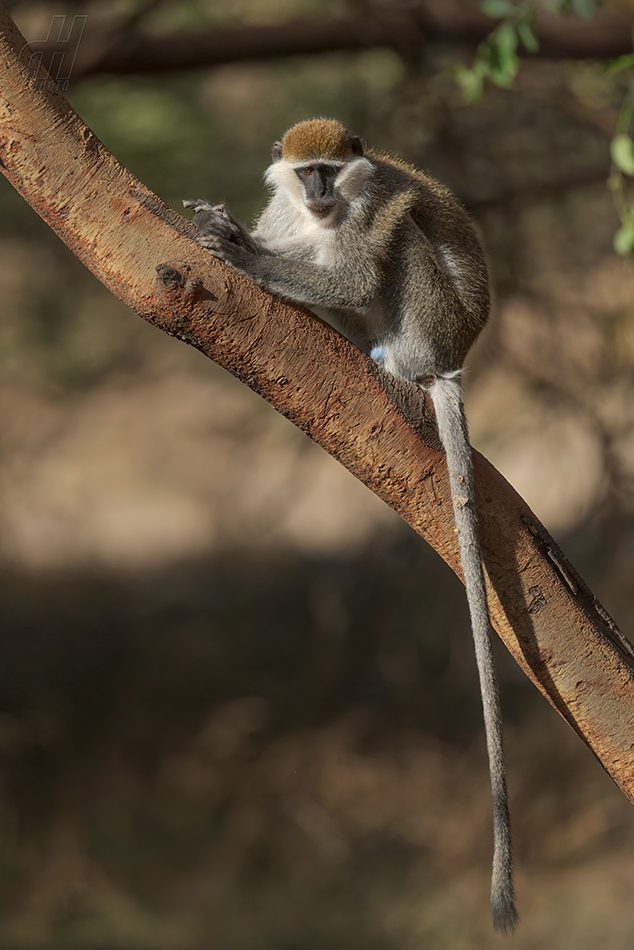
(408, 29)
(377, 427)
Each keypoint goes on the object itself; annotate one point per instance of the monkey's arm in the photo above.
(346, 284)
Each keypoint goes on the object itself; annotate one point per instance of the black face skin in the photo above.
(318, 180)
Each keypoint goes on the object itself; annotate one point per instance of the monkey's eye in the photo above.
(305, 172)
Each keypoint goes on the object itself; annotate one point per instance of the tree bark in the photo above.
(378, 427)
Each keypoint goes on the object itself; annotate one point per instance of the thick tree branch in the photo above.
(379, 428)
(408, 29)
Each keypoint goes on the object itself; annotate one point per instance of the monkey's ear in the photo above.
(276, 152)
(356, 146)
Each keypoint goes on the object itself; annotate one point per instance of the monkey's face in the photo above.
(318, 184)
(321, 188)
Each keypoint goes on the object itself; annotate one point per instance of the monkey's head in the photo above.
(317, 140)
(320, 165)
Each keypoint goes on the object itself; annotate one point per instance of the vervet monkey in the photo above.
(389, 257)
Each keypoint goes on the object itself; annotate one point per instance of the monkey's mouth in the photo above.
(321, 209)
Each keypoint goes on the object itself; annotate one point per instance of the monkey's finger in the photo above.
(223, 250)
(199, 204)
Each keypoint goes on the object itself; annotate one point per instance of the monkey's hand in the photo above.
(218, 228)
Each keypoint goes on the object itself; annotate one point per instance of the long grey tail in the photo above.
(446, 393)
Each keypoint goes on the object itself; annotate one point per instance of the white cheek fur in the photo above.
(281, 177)
(353, 178)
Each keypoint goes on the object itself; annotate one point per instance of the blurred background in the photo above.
(238, 702)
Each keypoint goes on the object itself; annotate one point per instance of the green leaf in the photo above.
(624, 239)
(622, 151)
(503, 58)
(497, 9)
(505, 38)
(471, 81)
(527, 36)
(621, 63)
